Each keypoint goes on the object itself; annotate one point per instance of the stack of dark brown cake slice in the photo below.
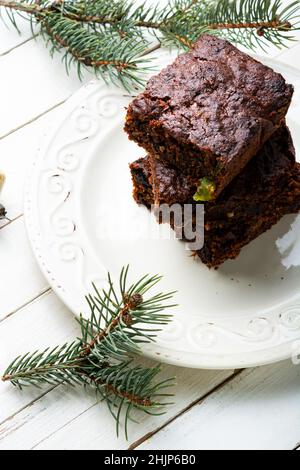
(213, 125)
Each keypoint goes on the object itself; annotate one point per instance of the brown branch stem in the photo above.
(110, 388)
(40, 11)
(124, 312)
(31, 9)
(130, 397)
(88, 61)
(183, 40)
(37, 370)
(133, 398)
(6, 378)
(137, 400)
(275, 24)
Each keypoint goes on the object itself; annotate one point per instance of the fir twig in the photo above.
(110, 55)
(103, 357)
(112, 36)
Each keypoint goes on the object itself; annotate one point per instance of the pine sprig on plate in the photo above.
(114, 37)
(104, 356)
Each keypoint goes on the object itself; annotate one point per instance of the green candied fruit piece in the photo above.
(205, 190)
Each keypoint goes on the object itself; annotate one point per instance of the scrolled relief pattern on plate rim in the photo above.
(289, 318)
(257, 330)
(206, 335)
(87, 120)
(97, 107)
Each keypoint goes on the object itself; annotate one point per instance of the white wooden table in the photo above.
(249, 409)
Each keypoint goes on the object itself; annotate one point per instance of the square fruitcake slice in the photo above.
(208, 113)
(171, 186)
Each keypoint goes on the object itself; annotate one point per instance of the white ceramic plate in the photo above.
(82, 222)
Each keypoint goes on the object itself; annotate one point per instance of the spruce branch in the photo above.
(112, 56)
(112, 36)
(103, 357)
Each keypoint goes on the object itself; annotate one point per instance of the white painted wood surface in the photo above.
(235, 416)
(253, 409)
